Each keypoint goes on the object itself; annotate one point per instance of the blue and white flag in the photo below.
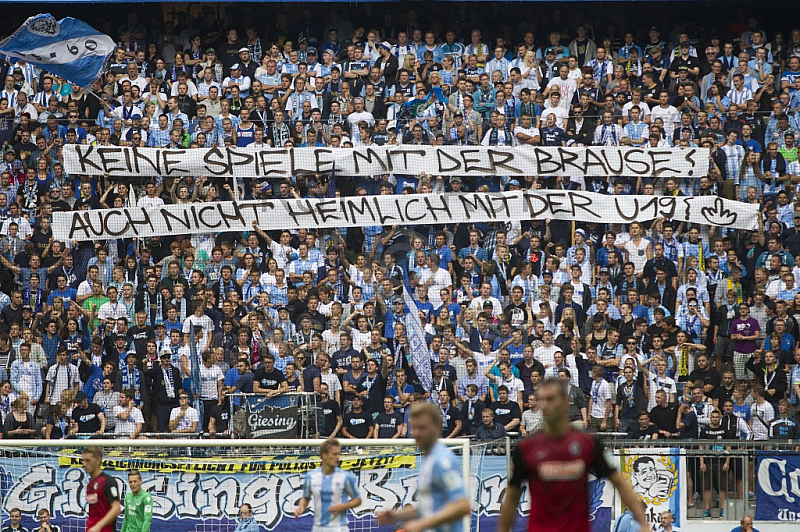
(68, 48)
(418, 106)
(420, 355)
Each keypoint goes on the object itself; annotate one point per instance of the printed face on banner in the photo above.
(654, 480)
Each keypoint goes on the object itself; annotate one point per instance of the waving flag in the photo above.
(68, 48)
(418, 106)
(420, 354)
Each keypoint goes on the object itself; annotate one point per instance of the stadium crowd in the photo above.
(663, 330)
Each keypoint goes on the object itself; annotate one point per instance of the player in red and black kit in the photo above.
(102, 493)
(556, 463)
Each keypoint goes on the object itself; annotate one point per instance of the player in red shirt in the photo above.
(102, 493)
(556, 463)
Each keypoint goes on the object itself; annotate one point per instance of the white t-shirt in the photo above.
(670, 116)
(359, 339)
(191, 416)
(332, 380)
(147, 202)
(355, 118)
(637, 254)
(601, 391)
(513, 384)
(208, 382)
(561, 114)
(204, 322)
(531, 131)
(477, 304)
(190, 86)
(545, 354)
(656, 383)
(626, 109)
(441, 279)
(127, 426)
(112, 310)
(139, 82)
(766, 414)
(567, 88)
(85, 288)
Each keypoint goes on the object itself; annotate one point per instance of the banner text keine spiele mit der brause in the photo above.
(597, 161)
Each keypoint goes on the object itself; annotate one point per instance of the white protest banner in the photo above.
(600, 161)
(416, 209)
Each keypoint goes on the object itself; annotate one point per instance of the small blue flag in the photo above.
(418, 106)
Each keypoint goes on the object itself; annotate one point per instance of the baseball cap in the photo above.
(328, 51)
(244, 49)
(236, 66)
(605, 270)
(26, 307)
(80, 396)
(165, 353)
(210, 51)
(455, 179)
(386, 45)
(547, 272)
(311, 50)
(302, 40)
(550, 50)
(129, 353)
(513, 183)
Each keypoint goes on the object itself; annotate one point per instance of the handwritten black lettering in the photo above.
(443, 207)
(455, 164)
(568, 158)
(85, 161)
(398, 210)
(152, 165)
(583, 202)
(168, 217)
(593, 161)
(498, 162)
(636, 162)
(328, 210)
(269, 158)
(368, 155)
(659, 160)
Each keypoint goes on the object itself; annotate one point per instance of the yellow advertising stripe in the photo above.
(281, 465)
